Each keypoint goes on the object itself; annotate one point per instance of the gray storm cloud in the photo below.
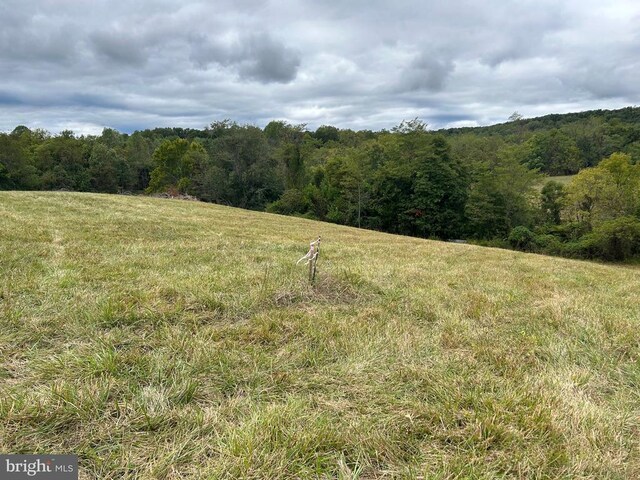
(426, 72)
(128, 65)
(119, 46)
(254, 57)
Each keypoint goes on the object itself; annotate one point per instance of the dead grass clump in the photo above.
(326, 290)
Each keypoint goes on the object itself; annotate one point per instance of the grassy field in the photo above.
(562, 179)
(173, 339)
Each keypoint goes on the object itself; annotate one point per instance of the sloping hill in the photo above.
(628, 115)
(173, 339)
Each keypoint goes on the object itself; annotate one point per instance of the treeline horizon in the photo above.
(483, 184)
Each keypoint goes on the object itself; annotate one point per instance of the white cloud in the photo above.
(352, 64)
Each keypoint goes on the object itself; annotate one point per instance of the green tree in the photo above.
(173, 166)
(605, 192)
(112, 138)
(253, 178)
(552, 152)
(346, 186)
(500, 196)
(327, 133)
(552, 198)
(439, 192)
(103, 169)
(62, 163)
(616, 239)
(292, 201)
(138, 152)
(522, 238)
(5, 182)
(17, 159)
(419, 189)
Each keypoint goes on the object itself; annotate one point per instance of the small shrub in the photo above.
(547, 243)
(617, 239)
(568, 232)
(183, 184)
(522, 238)
(577, 249)
(292, 201)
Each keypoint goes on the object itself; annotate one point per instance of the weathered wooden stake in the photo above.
(312, 259)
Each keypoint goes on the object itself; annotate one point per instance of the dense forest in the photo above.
(486, 185)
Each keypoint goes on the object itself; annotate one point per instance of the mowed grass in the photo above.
(173, 339)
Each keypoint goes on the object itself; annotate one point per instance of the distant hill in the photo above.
(627, 115)
(560, 144)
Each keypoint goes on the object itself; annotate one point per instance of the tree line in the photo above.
(487, 185)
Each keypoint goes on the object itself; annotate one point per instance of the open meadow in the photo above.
(175, 339)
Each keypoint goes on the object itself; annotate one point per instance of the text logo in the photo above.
(45, 467)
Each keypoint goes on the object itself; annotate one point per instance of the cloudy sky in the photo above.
(85, 65)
